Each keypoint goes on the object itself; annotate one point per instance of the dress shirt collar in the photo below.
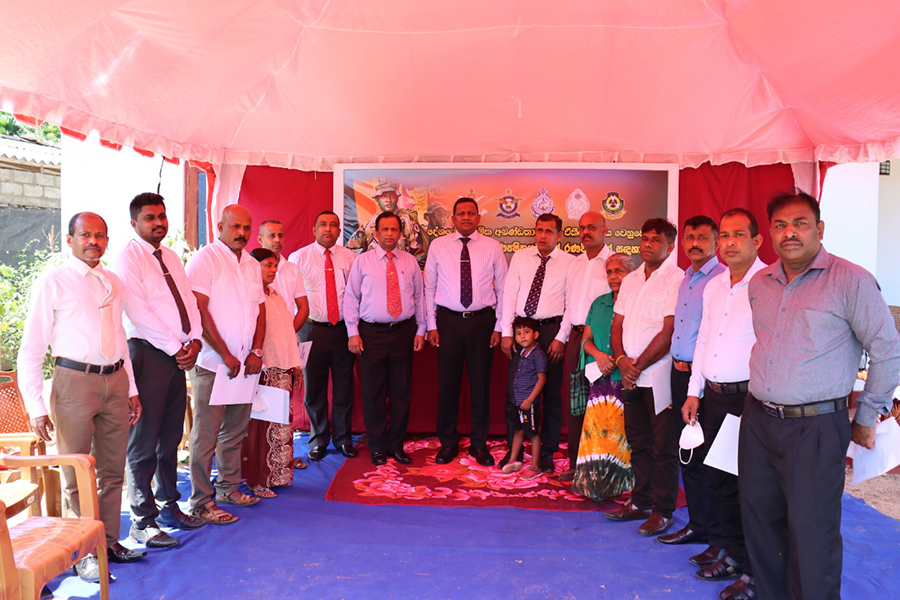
(381, 253)
(755, 268)
(281, 259)
(706, 268)
(147, 246)
(819, 261)
(666, 265)
(223, 247)
(555, 254)
(526, 351)
(81, 267)
(321, 249)
(458, 236)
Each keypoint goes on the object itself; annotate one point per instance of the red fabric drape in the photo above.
(296, 197)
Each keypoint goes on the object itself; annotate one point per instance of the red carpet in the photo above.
(463, 482)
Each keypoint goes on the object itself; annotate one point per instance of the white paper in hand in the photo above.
(592, 372)
(879, 460)
(661, 382)
(304, 347)
(723, 454)
(276, 404)
(239, 390)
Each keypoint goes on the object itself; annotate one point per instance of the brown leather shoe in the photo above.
(629, 512)
(707, 557)
(742, 589)
(655, 525)
(685, 535)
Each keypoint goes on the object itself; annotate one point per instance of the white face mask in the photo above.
(691, 437)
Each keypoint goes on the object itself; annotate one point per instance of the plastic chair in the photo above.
(38, 549)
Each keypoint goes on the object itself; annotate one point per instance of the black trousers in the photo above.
(551, 397)
(726, 529)
(791, 483)
(574, 423)
(385, 368)
(654, 453)
(153, 440)
(693, 474)
(329, 354)
(464, 342)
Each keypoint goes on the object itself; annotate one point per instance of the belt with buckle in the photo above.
(88, 368)
(781, 411)
(727, 389)
(548, 321)
(324, 323)
(680, 365)
(467, 314)
(390, 324)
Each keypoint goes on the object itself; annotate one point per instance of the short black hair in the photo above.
(77, 216)
(388, 215)
(326, 212)
(550, 217)
(525, 322)
(782, 199)
(262, 254)
(464, 200)
(266, 222)
(663, 226)
(699, 221)
(754, 226)
(142, 200)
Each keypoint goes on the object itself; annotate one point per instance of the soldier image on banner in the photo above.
(413, 238)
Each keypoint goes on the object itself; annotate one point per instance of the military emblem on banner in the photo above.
(509, 205)
(542, 204)
(613, 206)
(577, 204)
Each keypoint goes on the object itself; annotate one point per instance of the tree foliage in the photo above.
(46, 133)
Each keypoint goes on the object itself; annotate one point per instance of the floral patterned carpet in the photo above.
(462, 482)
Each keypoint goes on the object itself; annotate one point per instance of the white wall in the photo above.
(850, 211)
(104, 181)
(888, 267)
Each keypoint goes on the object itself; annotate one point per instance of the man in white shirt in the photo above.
(325, 267)
(386, 323)
(164, 331)
(227, 283)
(641, 336)
(464, 277)
(76, 309)
(586, 283)
(721, 375)
(536, 287)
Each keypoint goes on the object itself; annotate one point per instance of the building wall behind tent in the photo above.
(29, 209)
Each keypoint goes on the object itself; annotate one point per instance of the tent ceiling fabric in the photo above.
(306, 84)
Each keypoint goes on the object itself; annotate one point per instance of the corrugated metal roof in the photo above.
(29, 151)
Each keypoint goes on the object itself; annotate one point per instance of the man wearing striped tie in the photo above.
(385, 319)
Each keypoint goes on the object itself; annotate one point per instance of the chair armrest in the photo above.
(25, 441)
(85, 475)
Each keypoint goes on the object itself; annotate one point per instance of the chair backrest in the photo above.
(13, 416)
(895, 312)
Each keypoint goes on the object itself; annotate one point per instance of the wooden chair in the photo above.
(38, 549)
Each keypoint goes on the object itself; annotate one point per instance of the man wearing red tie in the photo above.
(386, 323)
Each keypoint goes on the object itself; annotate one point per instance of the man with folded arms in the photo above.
(76, 309)
(325, 267)
(813, 315)
(536, 287)
(164, 331)
(464, 276)
(227, 283)
(718, 387)
(385, 318)
(699, 243)
(641, 336)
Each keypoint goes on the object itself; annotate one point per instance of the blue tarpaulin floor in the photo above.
(301, 546)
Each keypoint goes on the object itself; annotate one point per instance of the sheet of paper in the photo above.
(882, 458)
(239, 390)
(304, 347)
(277, 405)
(661, 382)
(592, 372)
(723, 454)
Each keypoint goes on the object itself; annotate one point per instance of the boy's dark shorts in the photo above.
(529, 420)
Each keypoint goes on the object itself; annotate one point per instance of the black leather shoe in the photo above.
(724, 568)
(118, 553)
(505, 460)
(742, 589)
(655, 525)
(401, 457)
(152, 537)
(348, 450)
(629, 512)
(685, 535)
(379, 458)
(446, 454)
(317, 454)
(88, 569)
(482, 457)
(547, 465)
(173, 517)
(707, 557)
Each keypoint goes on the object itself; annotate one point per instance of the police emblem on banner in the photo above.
(577, 204)
(509, 205)
(542, 204)
(613, 206)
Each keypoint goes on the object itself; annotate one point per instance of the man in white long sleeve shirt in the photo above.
(76, 309)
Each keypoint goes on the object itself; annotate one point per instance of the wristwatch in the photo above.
(256, 352)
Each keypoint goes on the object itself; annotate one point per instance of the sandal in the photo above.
(724, 568)
(213, 515)
(262, 491)
(237, 497)
(299, 464)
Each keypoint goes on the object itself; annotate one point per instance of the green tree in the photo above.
(46, 133)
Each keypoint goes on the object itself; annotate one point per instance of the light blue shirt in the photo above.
(689, 308)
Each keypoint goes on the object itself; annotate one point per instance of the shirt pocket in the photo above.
(656, 300)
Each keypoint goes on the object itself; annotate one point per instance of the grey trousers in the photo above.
(90, 413)
(218, 430)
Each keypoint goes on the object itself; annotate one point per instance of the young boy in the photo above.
(529, 380)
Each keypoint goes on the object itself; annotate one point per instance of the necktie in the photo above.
(394, 304)
(534, 294)
(107, 326)
(179, 303)
(331, 302)
(465, 275)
